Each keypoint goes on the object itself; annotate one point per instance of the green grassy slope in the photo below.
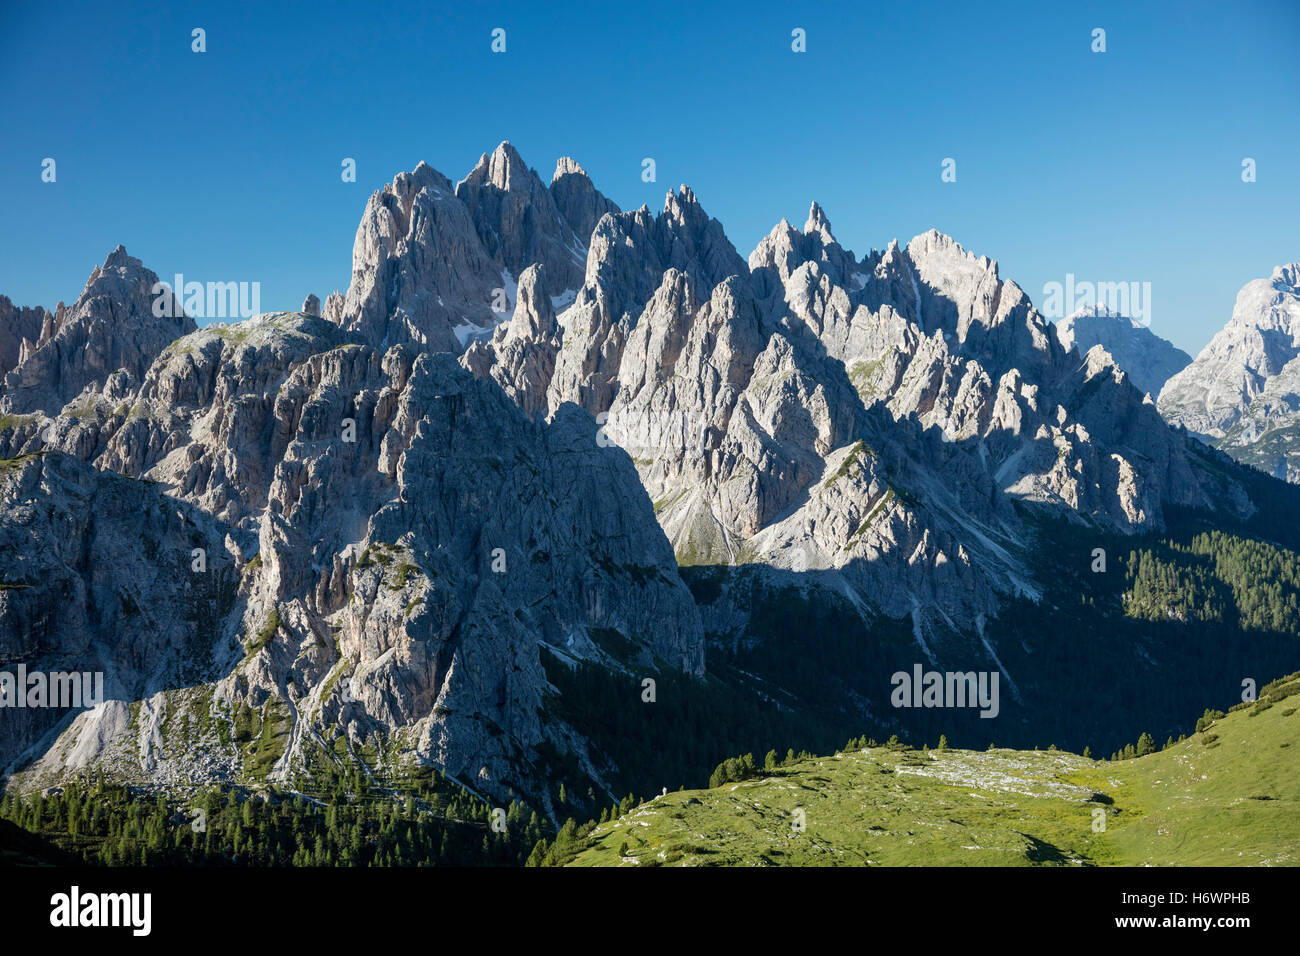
(1228, 795)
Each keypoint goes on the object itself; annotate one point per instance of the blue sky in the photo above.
(1116, 166)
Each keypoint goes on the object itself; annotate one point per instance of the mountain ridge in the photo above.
(1242, 392)
(507, 444)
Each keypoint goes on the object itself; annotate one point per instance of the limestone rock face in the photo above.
(626, 262)
(333, 309)
(105, 575)
(112, 328)
(744, 393)
(578, 200)
(491, 456)
(438, 267)
(418, 269)
(22, 330)
(517, 219)
(520, 356)
(1243, 391)
(390, 545)
(1149, 360)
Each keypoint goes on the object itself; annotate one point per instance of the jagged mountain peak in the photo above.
(1260, 340)
(406, 185)
(117, 263)
(1149, 360)
(873, 428)
(504, 168)
(567, 166)
(119, 258)
(1243, 390)
(1096, 310)
(682, 205)
(580, 203)
(932, 242)
(817, 222)
(433, 264)
(1287, 275)
(112, 331)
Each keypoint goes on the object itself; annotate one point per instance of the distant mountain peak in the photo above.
(1243, 390)
(1149, 360)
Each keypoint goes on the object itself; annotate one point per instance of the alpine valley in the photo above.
(560, 502)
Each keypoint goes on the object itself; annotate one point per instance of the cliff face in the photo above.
(105, 341)
(493, 454)
(1147, 359)
(1243, 391)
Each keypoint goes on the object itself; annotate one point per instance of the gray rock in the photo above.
(1149, 360)
(1243, 391)
(448, 481)
(22, 331)
(580, 203)
(517, 219)
(112, 327)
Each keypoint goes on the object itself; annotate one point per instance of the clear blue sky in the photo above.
(1122, 166)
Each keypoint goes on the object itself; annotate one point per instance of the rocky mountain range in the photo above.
(358, 535)
(1149, 360)
(1243, 391)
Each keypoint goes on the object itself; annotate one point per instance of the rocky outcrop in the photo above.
(578, 200)
(105, 575)
(419, 271)
(490, 457)
(1148, 360)
(520, 356)
(518, 221)
(400, 543)
(437, 267)
(121, 321)
(625, 265)
(22, 331)
(1243, 390)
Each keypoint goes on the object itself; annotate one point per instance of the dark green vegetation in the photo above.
(434, 823)
(18, 847)
(1174, 621)
(1112, 660)
(643, 746)
(1217, 579)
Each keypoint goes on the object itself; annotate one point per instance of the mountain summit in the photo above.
(1243, 390)
(548, 464)
(1149, 360)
